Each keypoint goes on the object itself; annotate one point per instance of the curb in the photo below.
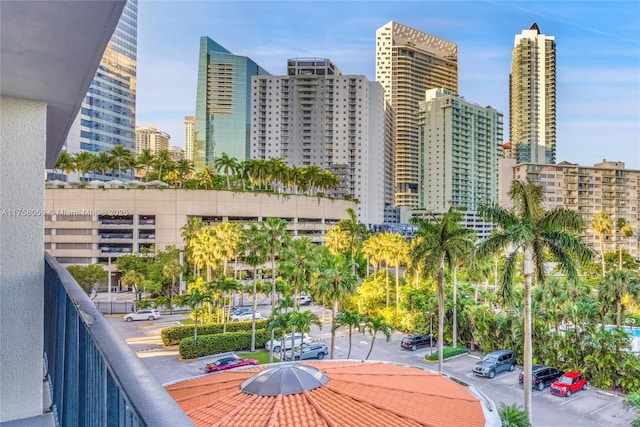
(448, 358)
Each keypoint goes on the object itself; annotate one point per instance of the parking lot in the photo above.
(585, 408)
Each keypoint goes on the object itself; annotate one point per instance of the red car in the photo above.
(569, 383)
(228, 363)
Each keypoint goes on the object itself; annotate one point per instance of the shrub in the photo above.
(448, 352)
(220, 343)
(174, 334)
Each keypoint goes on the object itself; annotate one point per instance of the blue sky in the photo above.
(598, 56)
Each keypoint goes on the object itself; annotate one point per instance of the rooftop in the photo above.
(355, 394)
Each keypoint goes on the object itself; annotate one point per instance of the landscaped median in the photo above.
(211, 339)
(447, 353)
(175, 334)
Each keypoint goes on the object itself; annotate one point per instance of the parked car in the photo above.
(304, 299)
(241, 310)
(276, 344)
(228, 363)
(494, 363)
(316, 350)
(541, 376)
(416, 340)
(146, 314)
(568, 383)
(245, 316)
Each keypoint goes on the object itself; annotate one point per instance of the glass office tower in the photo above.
(223, 102)
(107, 115)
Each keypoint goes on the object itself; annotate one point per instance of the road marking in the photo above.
(571, 400)
(364, 342)
(598, 410)
(336, 347)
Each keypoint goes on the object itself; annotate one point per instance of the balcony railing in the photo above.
(95, 377)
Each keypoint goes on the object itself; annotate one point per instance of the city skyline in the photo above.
(598, 60)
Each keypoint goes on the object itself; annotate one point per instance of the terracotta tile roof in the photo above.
(357, 394)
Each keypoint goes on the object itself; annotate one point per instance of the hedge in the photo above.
(446, 353)
(175, 334)
(220, 343)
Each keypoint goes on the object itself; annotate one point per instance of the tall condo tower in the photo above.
(107, 116)
(223, 104)
(408, 62)
(461, 143)
(189, 136)
(532, 98)
(317, 116)
(150, 138)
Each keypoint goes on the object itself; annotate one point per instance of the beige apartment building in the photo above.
(150, 138)
(604, 187)
(408, 62)
(86, 226)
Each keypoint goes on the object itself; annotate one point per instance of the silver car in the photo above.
(314, 350)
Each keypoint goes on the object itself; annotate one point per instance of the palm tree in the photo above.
(335, 282)
(298, 263)
(336, 241)
(121, 156)
(171, 269)
(311, 178)
(632, 401)
(280, 321)
(195, 299)
(355, 231)
(228, 165)
(602, 225)
(513, 416)
(372, 249)
(184, 168)
(615, 285)
(276, 172)
(103, 163)
(254, 255)
(146, 159)
(529, 229)
(375, 324)
(205, 178)
(437, 245)
(64, 163)
(302, 320)
(163, 160)
(350, 319)
(626, 230)
(83, 162)
(273, 234)
(398, 251)
(227, 239)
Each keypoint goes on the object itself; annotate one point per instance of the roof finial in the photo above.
(534, 26)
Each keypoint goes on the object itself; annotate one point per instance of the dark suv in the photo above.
(542, 376)
(416, 340)
(495, 362)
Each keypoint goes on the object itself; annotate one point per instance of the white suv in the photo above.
(276, 344)
(146, 314)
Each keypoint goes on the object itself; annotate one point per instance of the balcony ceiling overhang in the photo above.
(50, 51)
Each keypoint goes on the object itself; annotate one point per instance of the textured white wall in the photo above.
(22, 148)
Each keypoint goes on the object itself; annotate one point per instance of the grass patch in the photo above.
(186, 321)
(447, 352)
(261, 356)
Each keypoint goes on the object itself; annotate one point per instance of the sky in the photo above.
(597, 44)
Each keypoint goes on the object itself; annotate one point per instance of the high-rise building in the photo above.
(108, 113)
(604, 187)
(408, 62)
(189, 136)
(317, 116)
(222, 104)
(150, 138)
(532, 98)
(460, 145)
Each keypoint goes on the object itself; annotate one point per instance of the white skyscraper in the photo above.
(317, 116)
(532, 94)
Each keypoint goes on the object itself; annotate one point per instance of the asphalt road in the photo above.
(586, 408)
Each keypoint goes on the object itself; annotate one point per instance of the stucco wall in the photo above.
(22, 148)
